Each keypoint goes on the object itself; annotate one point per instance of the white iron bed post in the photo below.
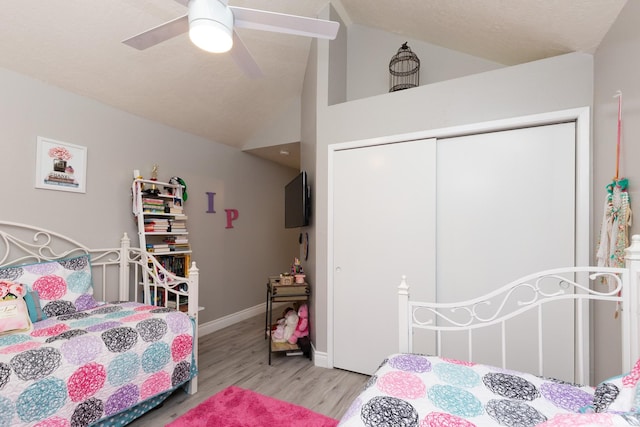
(123, 285)
(632, 263)
(404, 312)
(192, 309)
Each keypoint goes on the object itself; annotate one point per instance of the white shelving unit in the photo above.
(162, 231)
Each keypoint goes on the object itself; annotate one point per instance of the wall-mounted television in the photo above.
(296, 202)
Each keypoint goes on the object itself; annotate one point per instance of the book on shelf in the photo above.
(153, 204)
(175, 239)
(177, 243)
(157, 245)
(156, 221)
(156, 225)
(152, 201)
(158, 248)
(156, 229)
(177, 264)
(158, 296)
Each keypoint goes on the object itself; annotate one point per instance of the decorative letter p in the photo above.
(232, 215)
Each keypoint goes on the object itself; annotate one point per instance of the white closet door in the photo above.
(384, 227)
(506, 208)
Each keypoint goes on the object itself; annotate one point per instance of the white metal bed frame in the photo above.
(571, 283)
(122, 273)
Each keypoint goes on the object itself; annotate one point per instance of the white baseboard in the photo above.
(223, 322)
(320, 358)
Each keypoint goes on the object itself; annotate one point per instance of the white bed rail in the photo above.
(581, 285)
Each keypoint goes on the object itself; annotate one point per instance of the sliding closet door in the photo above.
(506, 208)
(383, 228)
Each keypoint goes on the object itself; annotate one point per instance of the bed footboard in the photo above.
(573, 290)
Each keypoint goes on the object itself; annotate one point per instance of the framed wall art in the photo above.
(61, 166)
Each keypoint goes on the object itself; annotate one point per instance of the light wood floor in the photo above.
(237, 355)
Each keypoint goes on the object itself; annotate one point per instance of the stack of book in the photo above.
(158, 248)
(150, 205)
(174, 207)
(179, 243)
(178, 226)
(156, 225)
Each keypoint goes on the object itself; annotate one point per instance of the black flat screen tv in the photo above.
(296, 202)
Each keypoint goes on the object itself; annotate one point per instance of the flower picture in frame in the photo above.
(61, 166)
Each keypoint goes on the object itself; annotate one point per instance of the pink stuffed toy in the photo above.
(302, 330)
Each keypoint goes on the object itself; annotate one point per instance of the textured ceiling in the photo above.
(76, 45)
(505, 31)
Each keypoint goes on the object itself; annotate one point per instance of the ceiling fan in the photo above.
(211, 25)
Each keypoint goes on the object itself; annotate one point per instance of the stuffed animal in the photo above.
(302, 329)
(285, 327)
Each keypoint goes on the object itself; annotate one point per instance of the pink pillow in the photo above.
(14, 316)
(64, 286)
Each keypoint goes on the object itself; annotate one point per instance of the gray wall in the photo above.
(234, 263)
(617, 67)
(370, 51)
(559, 83)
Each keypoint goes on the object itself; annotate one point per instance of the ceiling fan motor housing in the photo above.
(210, 25)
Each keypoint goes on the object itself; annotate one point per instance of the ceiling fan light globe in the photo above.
(210, 36)
(211, 25)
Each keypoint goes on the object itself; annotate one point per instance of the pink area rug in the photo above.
(237, 407)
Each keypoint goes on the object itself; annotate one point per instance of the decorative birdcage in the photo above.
(404, 69)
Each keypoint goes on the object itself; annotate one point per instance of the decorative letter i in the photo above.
(210, 200)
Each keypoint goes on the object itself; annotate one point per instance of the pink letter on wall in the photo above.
(232, 215)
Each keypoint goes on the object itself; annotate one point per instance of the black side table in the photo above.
(277, 292)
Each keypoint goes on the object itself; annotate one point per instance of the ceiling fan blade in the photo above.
(159, 34)
(243, 58)
(282, 23)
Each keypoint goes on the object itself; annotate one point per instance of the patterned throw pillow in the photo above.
(620, 393)
(33, 305)
(64, 286)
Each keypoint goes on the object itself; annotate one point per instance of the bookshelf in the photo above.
(158, 208)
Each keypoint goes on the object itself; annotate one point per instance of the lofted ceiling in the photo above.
(76, 45)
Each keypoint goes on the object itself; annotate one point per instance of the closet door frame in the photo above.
(583, 238)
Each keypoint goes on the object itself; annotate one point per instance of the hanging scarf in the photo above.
(614, 232)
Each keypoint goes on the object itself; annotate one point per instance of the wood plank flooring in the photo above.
(237, 355)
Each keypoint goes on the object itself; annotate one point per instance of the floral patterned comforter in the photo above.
(76, 369)
(425, 391)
